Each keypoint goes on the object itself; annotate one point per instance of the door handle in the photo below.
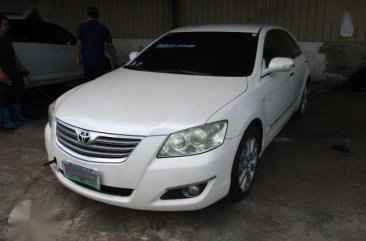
(292, 74)
(58, 50)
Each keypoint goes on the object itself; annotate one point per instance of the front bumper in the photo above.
(151, 177)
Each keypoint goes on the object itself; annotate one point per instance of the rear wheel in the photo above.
(245, 164)
(357, 81)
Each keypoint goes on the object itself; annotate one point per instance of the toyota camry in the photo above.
(184, 123)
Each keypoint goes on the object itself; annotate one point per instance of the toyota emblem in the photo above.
(84, 137)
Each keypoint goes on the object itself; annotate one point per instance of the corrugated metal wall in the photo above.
(14, 6)
(308, 20)
(125, 18)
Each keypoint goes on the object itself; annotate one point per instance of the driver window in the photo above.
(273, 47)
(290, 45)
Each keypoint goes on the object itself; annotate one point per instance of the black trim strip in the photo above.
(288, 107)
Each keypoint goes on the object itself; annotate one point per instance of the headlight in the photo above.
(51, 113)
(195, 140)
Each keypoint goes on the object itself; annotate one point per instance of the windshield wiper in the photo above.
(171, 71)
(181, 71)
(134, 68)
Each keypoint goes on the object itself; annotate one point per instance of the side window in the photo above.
(22, 31)
(39, 32)
(291, 46)
(53, 34)
(273, 47)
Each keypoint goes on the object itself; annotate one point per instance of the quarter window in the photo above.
(53, 34)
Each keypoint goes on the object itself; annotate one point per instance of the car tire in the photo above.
(303, 103)
(244, 166)
(357, 81)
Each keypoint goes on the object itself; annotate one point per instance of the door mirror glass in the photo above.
(280, 65)
(133, 55)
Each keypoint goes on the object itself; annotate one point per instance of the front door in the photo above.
(278, 86)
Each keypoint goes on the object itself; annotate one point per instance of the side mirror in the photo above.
(280, 65)
(133, 55)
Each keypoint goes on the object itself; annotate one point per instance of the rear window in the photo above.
(200, 53)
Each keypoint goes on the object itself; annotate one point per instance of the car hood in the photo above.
(142, 103)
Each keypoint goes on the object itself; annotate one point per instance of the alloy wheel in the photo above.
(247, 163)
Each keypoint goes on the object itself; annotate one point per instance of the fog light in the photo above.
(191, 191)
(184, 192)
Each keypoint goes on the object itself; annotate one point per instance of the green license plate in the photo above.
(82, 175)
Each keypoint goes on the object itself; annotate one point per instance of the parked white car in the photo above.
(46, 50)
(184, 123)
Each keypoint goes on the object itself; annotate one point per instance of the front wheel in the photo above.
(244, 167)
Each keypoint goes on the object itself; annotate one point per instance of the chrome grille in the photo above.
(104, 146)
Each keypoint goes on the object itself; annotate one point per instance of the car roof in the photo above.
(31, 13)
(243, 28)
(13, 16)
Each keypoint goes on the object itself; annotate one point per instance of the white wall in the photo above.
(317, 62)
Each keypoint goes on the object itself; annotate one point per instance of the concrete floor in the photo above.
(306, 189)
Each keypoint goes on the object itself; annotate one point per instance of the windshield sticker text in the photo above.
(169, 46)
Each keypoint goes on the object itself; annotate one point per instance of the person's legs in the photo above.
(15, 99)
(88, 72)
(94, 71)
(101, 69)
(17, 113)
(4, 111)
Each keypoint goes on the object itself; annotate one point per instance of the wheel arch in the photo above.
(234, 193)
(258, 125)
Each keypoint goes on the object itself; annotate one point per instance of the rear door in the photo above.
(62, 44)
(36, 56)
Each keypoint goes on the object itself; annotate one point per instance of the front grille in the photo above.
(100, 146)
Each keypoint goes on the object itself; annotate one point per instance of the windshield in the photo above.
(200, 53)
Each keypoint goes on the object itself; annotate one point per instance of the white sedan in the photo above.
(45, 49)
(183, 124)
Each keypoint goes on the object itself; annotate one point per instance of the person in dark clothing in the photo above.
(92, 38)
(4, 101)
(12, 83)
